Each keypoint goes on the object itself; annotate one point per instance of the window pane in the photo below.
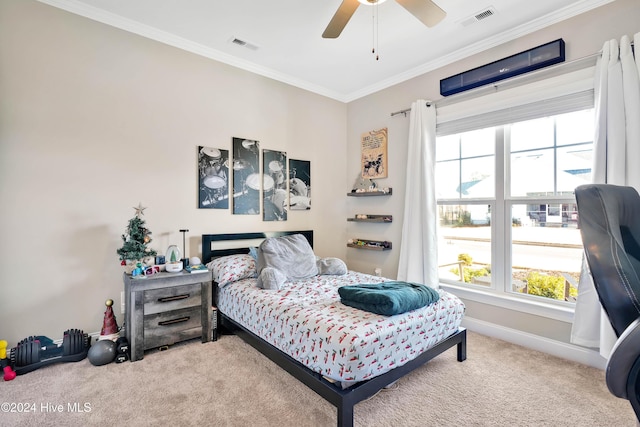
(477, 177)
(574, 128)
(547, 157)
(477, 143)
(574, 167)
(464, 243)
(447, 147)
(532, 173)
(546, 250)
(447, 179)
(532, 134)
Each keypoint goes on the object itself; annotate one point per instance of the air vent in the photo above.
(483, 14)
(243, 43)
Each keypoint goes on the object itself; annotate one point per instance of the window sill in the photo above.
(535, 307)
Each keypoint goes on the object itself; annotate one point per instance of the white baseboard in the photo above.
(555, 348)
(94, 338)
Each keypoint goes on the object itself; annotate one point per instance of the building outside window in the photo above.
(508, 218)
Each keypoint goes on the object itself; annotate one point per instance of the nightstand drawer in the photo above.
(173, 326)
(174, 298)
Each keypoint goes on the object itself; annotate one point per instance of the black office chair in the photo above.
(609, 221)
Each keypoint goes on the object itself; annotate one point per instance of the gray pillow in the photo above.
(331, 266)
(292, 255)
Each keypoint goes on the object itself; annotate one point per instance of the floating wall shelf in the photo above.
(372, 218)
(388, 192)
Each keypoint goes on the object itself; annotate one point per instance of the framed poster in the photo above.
(299, 184)
(213, 178)
(246, 177)
(374, 154)
(274, 185)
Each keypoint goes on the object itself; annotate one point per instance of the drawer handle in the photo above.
(171, 322)
(174, 298)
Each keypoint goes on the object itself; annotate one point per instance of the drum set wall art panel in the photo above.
(271, 187)
(299, 184)
(274, 185)
(246, 177)
(213, 178)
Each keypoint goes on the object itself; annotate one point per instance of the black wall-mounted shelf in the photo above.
(371, 193)
(373, 218)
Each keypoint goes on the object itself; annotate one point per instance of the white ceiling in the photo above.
(287, 34)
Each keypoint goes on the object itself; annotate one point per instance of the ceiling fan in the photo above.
(426, 11)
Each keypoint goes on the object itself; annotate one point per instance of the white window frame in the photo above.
(547, 92)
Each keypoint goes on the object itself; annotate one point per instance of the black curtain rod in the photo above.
(406, 110)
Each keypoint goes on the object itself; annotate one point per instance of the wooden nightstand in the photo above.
(166, 308)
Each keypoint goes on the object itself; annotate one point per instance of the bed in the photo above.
(342, 353)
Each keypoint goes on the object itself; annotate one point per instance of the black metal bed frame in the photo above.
(343, 399)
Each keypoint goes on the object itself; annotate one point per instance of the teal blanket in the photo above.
(388, 298)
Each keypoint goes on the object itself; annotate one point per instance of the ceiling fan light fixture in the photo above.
(371, 2)
(426, 11)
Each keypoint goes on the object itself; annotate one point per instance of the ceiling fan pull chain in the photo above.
(377, 33)
(375, 16)
(373, 30)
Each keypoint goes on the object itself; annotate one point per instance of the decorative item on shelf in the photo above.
(185, 260)
(196, 268)
(136, 269)
(151, 270)
(363, 184)
(160, 261)
(110, 330)
(173, 260)
(135, 252)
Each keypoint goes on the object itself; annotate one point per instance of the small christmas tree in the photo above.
(136, 239)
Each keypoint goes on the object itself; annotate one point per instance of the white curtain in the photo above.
(419, 247)
(616, 154)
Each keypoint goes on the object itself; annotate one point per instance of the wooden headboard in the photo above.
(238, 243)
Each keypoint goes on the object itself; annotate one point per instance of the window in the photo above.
(508, 218)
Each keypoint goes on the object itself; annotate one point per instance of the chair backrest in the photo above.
(609, 221)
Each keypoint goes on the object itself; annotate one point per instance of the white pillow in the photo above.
(231, 268)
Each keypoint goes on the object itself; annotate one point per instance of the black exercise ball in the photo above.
(102, 352)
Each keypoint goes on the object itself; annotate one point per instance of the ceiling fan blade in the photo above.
(345, 11)
(426, 11)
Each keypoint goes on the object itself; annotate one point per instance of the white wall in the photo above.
(94, 120)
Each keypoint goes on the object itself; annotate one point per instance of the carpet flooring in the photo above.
(228, 383)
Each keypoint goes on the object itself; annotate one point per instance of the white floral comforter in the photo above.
(306, 320)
